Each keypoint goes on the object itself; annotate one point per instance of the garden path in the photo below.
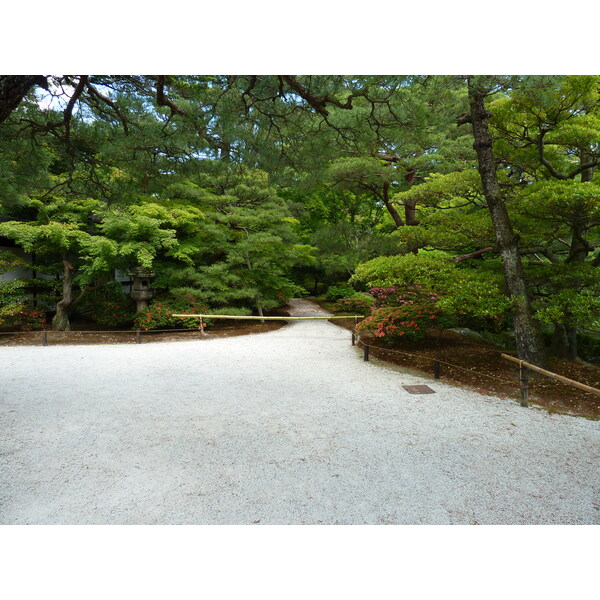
(284, 427)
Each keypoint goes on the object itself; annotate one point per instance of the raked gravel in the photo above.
(285, 427)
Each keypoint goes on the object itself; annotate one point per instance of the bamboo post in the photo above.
(581, 386)
(366, 357)
(524, 378)
(353, 338)
(44, 337)
(263, 318)
(138, 337)
(202, 334)
(437, 367)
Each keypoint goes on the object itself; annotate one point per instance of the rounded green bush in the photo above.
(357, 304)
(337, 292)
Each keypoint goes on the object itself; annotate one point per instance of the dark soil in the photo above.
(90, 333)
(478, 365)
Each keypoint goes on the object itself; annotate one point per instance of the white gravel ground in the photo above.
(285, 427)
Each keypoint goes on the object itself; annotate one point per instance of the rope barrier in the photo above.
(38, 331)
(19, 332)
(117, 331)
(442, 362)
(242, 318)
(248, 318)
(521, 363)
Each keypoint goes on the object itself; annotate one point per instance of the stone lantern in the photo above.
(141, 290)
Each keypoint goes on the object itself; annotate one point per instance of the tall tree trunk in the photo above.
(225, 152)
(60, 322)
(410, 209)
(560, 341)
(249, 264)
(530, 345)
(145, 180)
(572, 340)
(410, 212)
(390, 207)
(578, 253)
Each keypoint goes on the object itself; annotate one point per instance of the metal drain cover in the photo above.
(418, 389)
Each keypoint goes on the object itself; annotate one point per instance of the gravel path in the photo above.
(285, 427)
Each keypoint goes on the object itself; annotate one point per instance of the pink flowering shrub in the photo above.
(401, 313)
(108, 305)
(402, 295)
(31, 319)
(159, 315)
(113, 312)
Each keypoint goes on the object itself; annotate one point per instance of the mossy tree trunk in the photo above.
(60, 322)
(530, 345)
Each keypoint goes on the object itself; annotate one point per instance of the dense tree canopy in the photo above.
(241, 191)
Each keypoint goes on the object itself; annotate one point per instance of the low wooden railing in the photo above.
(262, 319)
(524, 378)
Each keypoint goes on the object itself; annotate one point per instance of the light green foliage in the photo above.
(559, 114)
(547, 131)
(64, 236)
(231, 310)
(565, 203)
(360, 173)
(572, 308)
(455, 231)
(61, 230)
(337, 292)
(475, 293)
(566, 294)
(427, 269)
(12, 301)
(446, 190)
(143, 231)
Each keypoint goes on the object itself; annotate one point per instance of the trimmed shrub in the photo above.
(397, 295)
(430, 269)
(337, 292)
(233, 311)
(359, 304)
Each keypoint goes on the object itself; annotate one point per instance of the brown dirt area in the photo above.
(88, 333)
(478, 365)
